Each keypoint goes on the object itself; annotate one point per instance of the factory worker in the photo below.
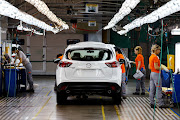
(25, 61)
(120, 56)
(139, 61)
(154, 66)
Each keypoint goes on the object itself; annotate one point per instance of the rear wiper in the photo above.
(90, 51)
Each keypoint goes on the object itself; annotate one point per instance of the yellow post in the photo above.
(170, 62)
(7, 50)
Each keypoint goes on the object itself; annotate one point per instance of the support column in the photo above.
(44, 53)
(28, 46)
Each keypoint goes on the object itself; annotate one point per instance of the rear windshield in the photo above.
(89, 54)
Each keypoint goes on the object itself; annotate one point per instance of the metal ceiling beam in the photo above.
(66, 4)
(20, 5)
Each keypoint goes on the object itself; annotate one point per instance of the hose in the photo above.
(159, 70)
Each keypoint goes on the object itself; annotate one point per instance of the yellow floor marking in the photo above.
(117, 112)
(41, 108)
(48, 93)
(170, 110)
(174, 113)
(103, 114)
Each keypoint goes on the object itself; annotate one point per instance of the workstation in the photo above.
(13, 76)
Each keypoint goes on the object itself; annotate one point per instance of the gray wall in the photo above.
(56, 43)
(96, 37)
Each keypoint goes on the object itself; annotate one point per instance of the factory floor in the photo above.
(41, 105)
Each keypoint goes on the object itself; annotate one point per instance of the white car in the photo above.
(88, 68)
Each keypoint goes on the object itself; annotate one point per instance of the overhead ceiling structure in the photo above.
(75, 10)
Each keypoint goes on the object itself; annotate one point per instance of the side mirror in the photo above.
(121, 61)
(56, 60)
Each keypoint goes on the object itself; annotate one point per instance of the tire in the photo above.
(61, 98)
(117, 97)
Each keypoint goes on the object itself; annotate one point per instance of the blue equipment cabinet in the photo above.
(176, 78)
(11, 76)
(165, 78)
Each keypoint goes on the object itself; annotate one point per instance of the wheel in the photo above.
(61, 98)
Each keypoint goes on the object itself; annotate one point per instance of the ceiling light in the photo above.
(125, 9)
(167, 9)
(175, 31)
(9, 10)
(43, 8)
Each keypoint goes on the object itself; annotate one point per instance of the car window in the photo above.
(89, 54)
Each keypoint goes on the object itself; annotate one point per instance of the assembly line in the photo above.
(89, 60)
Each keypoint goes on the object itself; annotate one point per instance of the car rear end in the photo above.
(89, 70)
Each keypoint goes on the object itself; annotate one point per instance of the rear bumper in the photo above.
(79, 88)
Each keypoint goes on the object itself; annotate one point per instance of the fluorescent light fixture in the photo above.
(165, 10)
(175, 31)
(21, 27)
(43, 8)
(177, 57)
(125, 9)
(9, 10)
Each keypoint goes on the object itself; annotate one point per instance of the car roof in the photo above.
(90, 44)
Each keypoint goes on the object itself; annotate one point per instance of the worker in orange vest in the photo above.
(139, 61)
(59, 56)
(119, 55)
(155, 78)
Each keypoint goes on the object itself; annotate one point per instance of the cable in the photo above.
(173, 82)
(9, 82)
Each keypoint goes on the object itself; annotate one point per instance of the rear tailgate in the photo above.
(86, 70)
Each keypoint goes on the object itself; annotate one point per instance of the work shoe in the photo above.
(30, 90)
(135, 93)
(124, 97)
(142, 93)
(163, 106)
(152, 106)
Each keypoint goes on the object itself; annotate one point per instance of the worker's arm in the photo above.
(139, 64)
(19, 62)
(148, 66)
(156, 66)
(132, 62)
(15, 60)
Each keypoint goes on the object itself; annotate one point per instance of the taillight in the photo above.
(112, 64)
(113, 88)
(65, 64)
(63, 87)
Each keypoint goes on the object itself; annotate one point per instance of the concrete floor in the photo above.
(41, 105)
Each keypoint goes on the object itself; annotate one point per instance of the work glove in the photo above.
(137, 71)
(131, 61)
(166, 69)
